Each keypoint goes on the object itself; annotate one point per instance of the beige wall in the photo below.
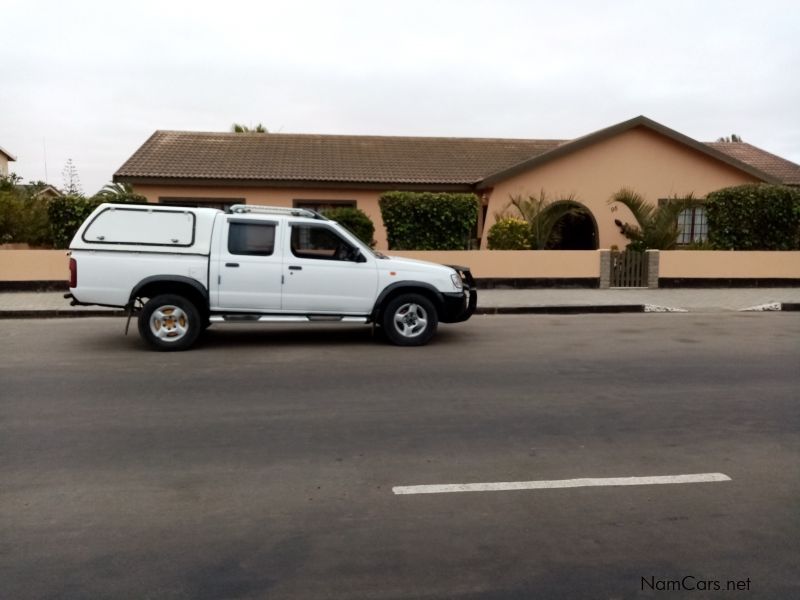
(649, 163)
(517, 263)
(3, 164)
(53, 265)
(366, 200)
(34, 265)
(729, 264)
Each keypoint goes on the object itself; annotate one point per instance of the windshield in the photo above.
(361, 244)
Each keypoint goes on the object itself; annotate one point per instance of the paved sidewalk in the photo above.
(53, 304)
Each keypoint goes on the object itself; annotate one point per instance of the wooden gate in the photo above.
(628, 269)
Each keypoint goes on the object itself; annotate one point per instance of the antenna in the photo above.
(44, 147)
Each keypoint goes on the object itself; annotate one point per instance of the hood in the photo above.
(412, 264)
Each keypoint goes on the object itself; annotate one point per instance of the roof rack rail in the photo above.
(276, 210)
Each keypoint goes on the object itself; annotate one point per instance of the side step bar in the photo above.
(239, 318)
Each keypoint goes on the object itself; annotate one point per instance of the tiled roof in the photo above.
(326, 158)
(780, 168)
(358, 159)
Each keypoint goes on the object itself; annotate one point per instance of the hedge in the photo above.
(754, 217)
(354, 219)
(66, 215)
(428, 220)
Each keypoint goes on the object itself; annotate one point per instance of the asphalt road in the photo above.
(261, 464)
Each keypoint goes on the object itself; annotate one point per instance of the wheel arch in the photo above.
(406, 287)
(155, 285)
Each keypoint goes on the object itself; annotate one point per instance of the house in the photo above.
(40, 190)
(5, 158)
(318, 171)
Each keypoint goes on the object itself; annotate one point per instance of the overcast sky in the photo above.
(92, 80)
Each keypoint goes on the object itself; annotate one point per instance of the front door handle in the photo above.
(293, 268)
(231, 264)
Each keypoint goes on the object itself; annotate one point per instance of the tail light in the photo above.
(73, 273)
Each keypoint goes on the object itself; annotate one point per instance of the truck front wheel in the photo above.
(170, 322)
(410, 320)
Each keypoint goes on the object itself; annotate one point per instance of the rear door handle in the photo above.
(231, 264)
(295, 268)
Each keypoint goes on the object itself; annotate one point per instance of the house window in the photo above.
(693, 225)
(320, 205)
(252, 239)
(201, 202)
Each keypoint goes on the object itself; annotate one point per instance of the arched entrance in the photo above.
(576, 230)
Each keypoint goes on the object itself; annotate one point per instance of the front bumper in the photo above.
(459, 306)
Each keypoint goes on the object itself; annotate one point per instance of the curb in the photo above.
(565, 309)
(59, 314)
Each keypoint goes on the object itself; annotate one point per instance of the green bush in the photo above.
(11, 216)
(509, 233)
(354, 219)
(66, 215)
(23, 215)
(754, 217)
(428, 220)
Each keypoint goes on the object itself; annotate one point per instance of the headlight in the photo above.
(456, 279)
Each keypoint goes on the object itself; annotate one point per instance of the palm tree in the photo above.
(542, 216)
(656, 226)
(239, 128)
(119, 192)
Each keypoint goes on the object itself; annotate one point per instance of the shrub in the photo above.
(66, 215)
(754, 217)
(11, 213)
(509, 233)
(354, 219)
(656, 226)
(429, 221)
(23, 215)
(544, 216)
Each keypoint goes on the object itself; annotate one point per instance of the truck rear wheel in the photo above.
(170, 322)
(410, 320)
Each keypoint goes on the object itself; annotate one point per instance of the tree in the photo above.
(239, 128)
(656, 226)
(72, 183)
(542, 216)
(730, 139)
(23, 214)
(9, 182)
(119, 192)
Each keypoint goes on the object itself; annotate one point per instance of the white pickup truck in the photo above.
(182, 269)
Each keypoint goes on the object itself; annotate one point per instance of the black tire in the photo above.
(409, 320)
(170, 323)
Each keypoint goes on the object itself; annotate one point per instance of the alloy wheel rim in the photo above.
(410, 320)
(169, 323)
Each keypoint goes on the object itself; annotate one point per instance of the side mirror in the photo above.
(358, 257)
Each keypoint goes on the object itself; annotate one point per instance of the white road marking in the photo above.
(648, 308)
(502, 486)
(762, 307)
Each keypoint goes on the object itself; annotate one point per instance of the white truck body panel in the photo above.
(107, 278)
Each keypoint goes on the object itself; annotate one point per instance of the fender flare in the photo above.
(400, 285)
(198, 287)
